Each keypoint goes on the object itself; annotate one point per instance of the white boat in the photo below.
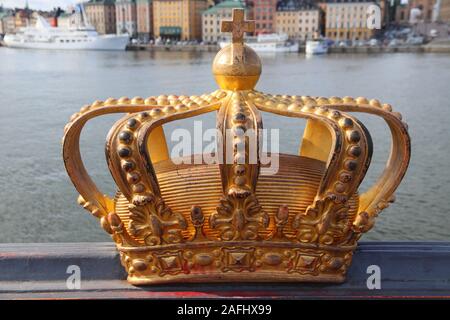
(82, 36)
(272, 42)
(316, 47)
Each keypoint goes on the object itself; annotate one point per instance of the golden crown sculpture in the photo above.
(226, 222)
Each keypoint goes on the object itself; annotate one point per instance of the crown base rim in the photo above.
(238, 278)
(240, 261)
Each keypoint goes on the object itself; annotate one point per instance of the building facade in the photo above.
(126, 17)
(348, 21)
(7, 22)
(178, 19)
(264, 13)
(2, 25)
(298, 20)
(444, 11)
(102, 15)
(403, 10)
(66, 21)
(211, 19)
(22, 18)
(9, 25)
(144, 12)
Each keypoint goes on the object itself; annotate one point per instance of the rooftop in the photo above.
(100, 2)
(228, 4)
(295, 5)
(349, 1)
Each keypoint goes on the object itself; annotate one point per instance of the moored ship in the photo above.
(81, 36)
(272, 42)
(316, 47)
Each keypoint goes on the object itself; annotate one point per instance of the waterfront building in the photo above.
(2, 28)
(102, 15)
(348, 20)
(299, 20)
(212, 18)
(7, 21)
(263, 12)
(22, 18)
(126, 17)
(66, 21)
(444, 11)
(5, 16)
(144, 11)
(403, 10)
(178, 19)
(8, 24)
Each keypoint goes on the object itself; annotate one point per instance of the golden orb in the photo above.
(237, 67)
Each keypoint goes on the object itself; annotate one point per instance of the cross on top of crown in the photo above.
(238, 26)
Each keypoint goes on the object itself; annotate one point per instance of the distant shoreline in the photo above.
(444, 48)
(430, 48)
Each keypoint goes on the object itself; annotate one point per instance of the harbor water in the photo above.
(40, 90)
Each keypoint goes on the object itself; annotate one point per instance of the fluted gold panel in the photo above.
(186, 185)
